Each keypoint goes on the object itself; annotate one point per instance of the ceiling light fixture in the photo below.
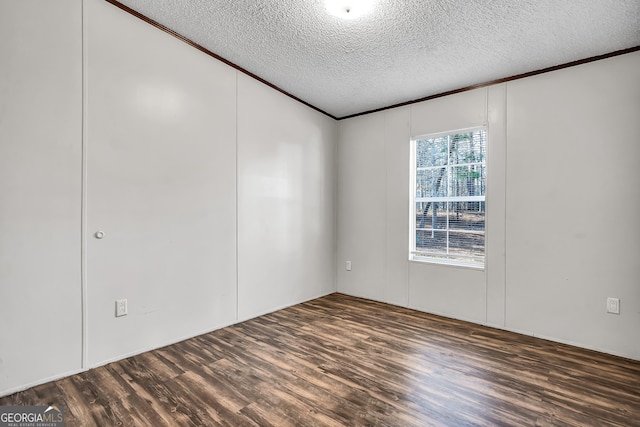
(348, 9)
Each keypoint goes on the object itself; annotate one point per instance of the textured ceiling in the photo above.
(400, 50)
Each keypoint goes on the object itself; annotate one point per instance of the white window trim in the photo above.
(414, 255)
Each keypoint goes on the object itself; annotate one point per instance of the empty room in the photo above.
(319, 213)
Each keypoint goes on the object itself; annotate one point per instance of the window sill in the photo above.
(448, 263)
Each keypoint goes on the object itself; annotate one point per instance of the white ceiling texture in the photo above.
(397, 50)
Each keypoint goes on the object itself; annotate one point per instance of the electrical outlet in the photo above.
(121, 307)
(613, 305)
(347, 265)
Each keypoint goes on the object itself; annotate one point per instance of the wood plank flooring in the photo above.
(345, 361)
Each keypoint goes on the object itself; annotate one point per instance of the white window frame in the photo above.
(419, 256)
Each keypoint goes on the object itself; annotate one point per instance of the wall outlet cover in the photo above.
(613, 305)
(121, 307)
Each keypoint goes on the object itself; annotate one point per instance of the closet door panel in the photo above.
(160, 187)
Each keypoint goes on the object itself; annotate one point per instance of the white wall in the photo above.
(362, 206)
(550, 281)
(216, 193)
(373, 210)
(573, 204)
(286, 200)
(40, 170)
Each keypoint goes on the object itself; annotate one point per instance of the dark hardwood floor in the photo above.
(344, 361)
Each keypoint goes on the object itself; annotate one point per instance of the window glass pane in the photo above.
(432, 152)
(431, 241)
(431, 183)
(468, 180)
(465, 245)
(468, 147)
(467, 216)
(431, 215)
(450, 167)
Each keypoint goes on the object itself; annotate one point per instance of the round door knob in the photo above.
(99, 234)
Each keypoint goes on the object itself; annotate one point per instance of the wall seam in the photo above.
(506, 183)
(487, 209)
(385, 137)
(83, 190)
(237, 210)
(411, 219)
(336, 182)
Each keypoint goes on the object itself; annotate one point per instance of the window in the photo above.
(448, 207)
